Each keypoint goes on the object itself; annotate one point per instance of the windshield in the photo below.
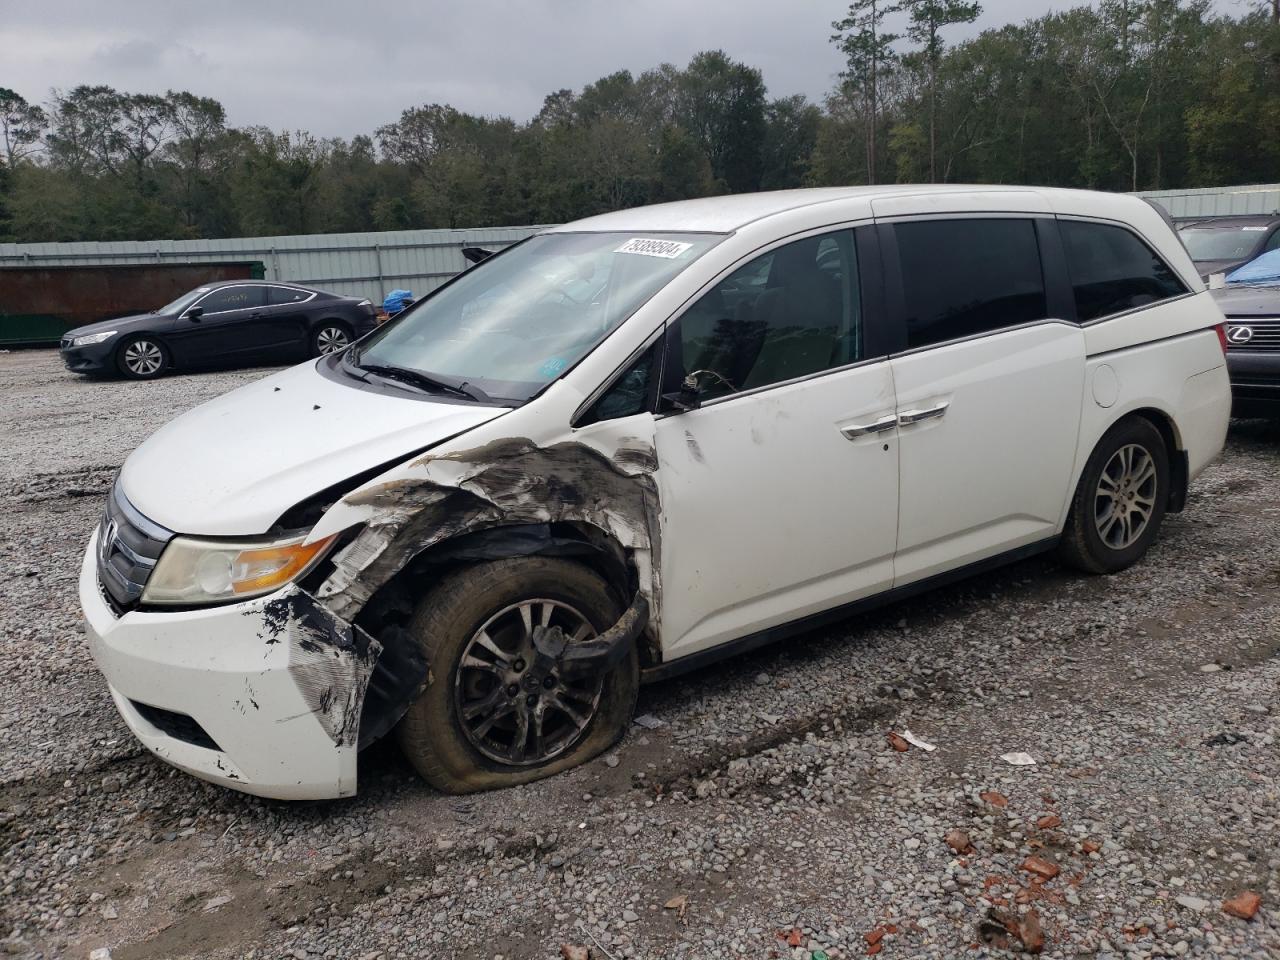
(184, 301)
(512, 324)
(1222, 243)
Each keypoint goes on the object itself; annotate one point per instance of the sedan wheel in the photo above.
(331, 339)
(142, 359)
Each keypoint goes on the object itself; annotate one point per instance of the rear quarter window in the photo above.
(1112, 270)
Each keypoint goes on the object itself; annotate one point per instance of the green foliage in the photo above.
(1120, 95)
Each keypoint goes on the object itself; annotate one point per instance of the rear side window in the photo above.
(233, 298)
(1113, 271)
(278, 295)
(965, 277)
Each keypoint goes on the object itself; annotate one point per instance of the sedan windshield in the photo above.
(183, 301)
(512, 324)
(1222, 243)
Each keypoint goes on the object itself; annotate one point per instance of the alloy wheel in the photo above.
(1126, 496)
(331, 340)
(143, 358)
(510, 714)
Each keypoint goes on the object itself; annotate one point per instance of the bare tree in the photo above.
(21, 126)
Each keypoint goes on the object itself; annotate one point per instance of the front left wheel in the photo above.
(142, 358)
(486, 716)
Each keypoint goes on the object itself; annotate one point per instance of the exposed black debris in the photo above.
(508, 481)
(330, 660)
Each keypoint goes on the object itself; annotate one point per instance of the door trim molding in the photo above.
(762, 638)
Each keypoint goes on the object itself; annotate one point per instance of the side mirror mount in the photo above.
(194, 314)
(688, 397)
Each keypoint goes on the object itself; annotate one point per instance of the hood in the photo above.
(119, 323)
(233, 465)
(1249, 301)
(1207, 268)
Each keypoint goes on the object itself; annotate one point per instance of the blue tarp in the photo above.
(1264, 269)
(396, 301)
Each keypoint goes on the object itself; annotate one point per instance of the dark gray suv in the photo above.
(1253, 348)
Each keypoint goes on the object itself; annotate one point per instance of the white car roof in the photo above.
(729, 213)
(799, 210)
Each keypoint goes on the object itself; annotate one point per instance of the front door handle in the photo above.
(908, 417)
(856, 430)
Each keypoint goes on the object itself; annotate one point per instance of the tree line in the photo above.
(1118, 95)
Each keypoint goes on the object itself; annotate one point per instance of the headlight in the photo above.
(193, 571)
(89, 338)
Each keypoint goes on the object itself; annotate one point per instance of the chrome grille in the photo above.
(128, 547)
(1253, 333)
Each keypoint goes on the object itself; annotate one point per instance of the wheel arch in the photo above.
(1179, 468)
(332, 321)
(400, 672)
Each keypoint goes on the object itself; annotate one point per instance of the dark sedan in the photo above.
(1220, 244)
(234, 323)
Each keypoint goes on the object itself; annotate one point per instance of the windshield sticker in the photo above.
(1254, 229)
(553, 366)
(666, 249)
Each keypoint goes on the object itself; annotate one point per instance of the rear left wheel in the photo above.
(1121, 500)
(487, 716)
(330, 337)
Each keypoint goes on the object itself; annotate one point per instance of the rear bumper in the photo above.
(222, 693)
(1255, 382)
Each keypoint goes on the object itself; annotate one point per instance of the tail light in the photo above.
(1221, 330)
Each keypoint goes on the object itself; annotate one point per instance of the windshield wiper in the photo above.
(426, 381)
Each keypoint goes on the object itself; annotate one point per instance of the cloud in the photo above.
(128, 55)
(338, 68)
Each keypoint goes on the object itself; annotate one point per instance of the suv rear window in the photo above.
(963, 277)
(1113, 271)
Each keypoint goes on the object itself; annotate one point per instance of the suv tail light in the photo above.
(1221, 330)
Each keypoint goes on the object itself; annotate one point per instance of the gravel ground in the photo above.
(764, 814)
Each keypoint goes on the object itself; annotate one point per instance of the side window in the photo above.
(1273, 243)
(233, 298)
(629, 394)
(794, 311)
(1113, 271)
(279, 295)
(963, 277)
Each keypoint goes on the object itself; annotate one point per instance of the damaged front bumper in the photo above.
(237, 695)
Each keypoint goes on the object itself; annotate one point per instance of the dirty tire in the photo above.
(1082, 545)
(432, 735)
(142, 358)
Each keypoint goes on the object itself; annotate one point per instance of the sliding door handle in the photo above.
(856, 430)
(908, 417)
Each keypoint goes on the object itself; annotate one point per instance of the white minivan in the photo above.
(632, 445)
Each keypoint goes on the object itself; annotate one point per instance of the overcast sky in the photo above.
(342, 67)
